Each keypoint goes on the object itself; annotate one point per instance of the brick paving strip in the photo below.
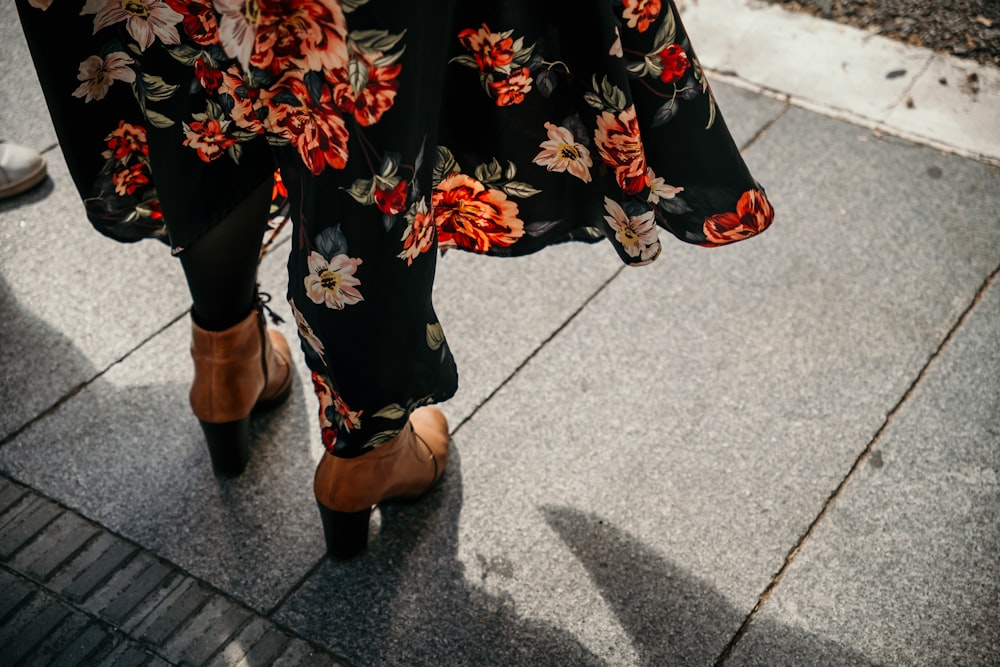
(73, 593)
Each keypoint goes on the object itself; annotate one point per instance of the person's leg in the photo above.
(221, 266)
(215, 205)
(363, 252)
(239, 366)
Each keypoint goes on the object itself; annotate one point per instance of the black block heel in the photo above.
(229, 446)
(346, 532)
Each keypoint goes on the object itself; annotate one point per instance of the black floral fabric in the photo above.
(391, 130)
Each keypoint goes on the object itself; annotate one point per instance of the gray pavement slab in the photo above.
(495, 316)
(73, 301)
(746, 112)
(904, 567)
(692, 421)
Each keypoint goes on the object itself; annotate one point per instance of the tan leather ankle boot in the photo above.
(405, 467)
(242, 369)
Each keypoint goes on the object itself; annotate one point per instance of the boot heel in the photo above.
(346, 532)
(228, 445)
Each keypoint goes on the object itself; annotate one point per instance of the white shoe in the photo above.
(20, 169)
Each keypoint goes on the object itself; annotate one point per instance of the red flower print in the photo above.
(753, 215)
(640, 13)
(391, 200)
(245, 101)
(340, 416)
(675, 63)
(333, 412)
(209, 77)
(316, 129)
(127, 140)
(471, 216)
(419, 235)
(199, 22)
(511, 91)
(130, 179)
(329, 435)
(620, 147)
(322, 391)
(155, 211)
(208, 136)
(491, 50)
(278, 189)
(300, 34)
(377, 97)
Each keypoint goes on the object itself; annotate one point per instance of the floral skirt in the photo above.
(391, 130)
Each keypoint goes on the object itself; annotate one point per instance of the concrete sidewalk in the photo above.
(783, 452)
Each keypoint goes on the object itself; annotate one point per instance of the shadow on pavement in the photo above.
(408, 601)
(673, 617)
(40, 364)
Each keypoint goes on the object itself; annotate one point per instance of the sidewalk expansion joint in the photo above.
(86, 383)
(541, 346)
(858, 462)
(767, 126)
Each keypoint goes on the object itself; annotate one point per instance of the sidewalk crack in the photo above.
(858, 462)
(541, 346)
(909, 87)
(86, 383)
(767, 126)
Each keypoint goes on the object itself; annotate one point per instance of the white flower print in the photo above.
(145, 20)
(332, 282)
(637, 235)
(562, 152)
(236, 33)
(660, 189)
(99, 73)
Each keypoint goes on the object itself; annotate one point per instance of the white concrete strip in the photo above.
(841, 71)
